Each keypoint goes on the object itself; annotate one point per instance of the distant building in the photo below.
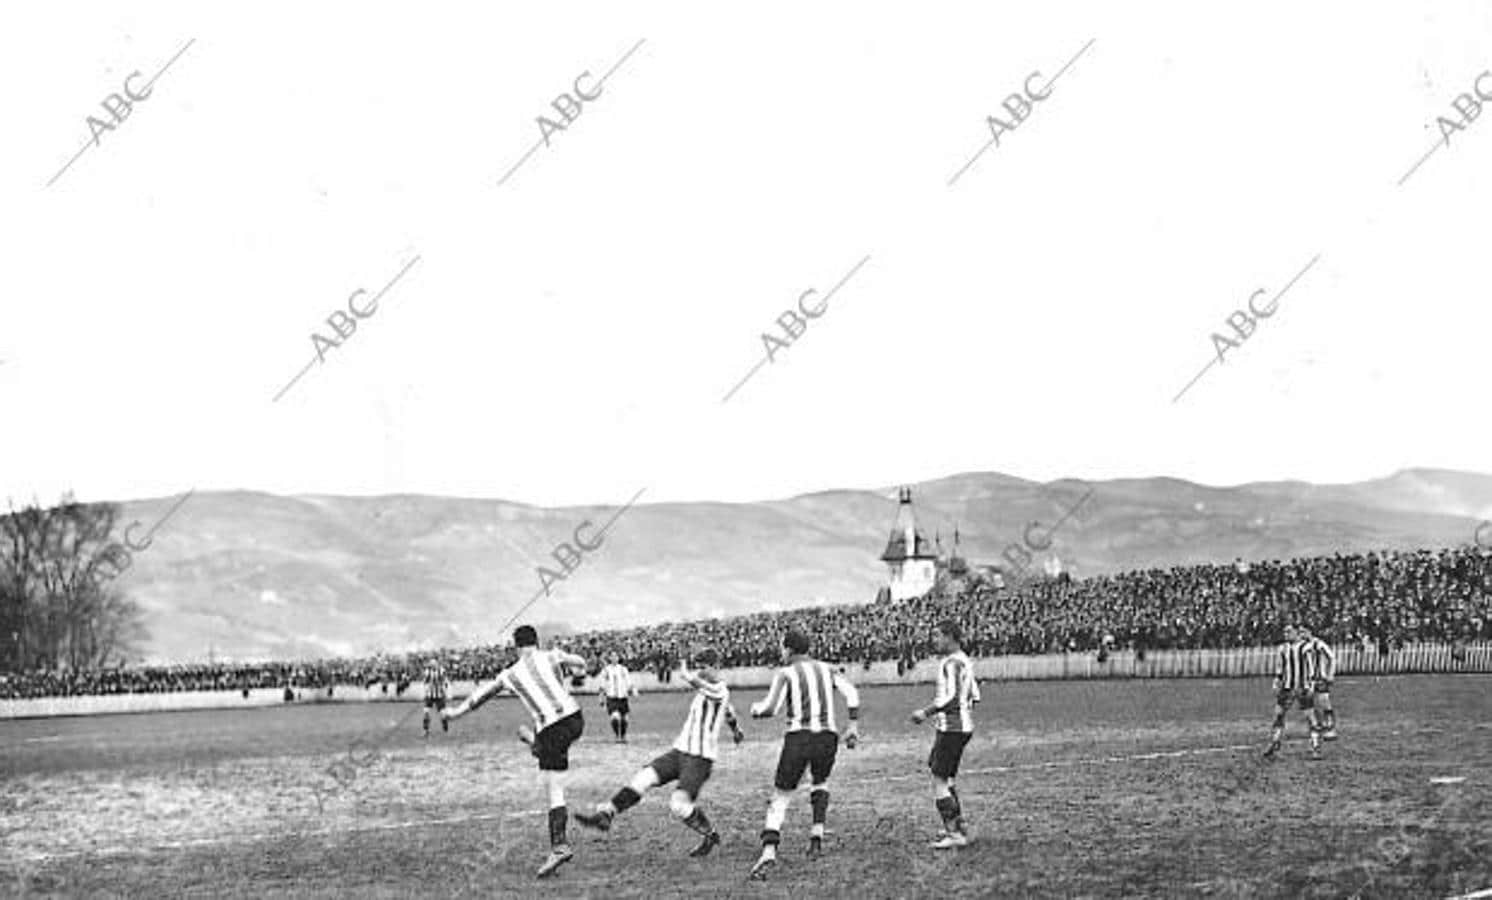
(910, 558)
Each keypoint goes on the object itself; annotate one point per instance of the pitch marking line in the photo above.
(488, 817)
(1474, 895)
(1096, 761)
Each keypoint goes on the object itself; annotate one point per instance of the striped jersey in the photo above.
(709, 708)
(616, 682)
(806, 688)
(436, 686)
(1295, 671)
(956, 694)
(1322, 662)
(538, 680)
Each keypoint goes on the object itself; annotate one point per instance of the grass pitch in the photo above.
(1073, 789)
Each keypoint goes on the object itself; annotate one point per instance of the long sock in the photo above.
(771, 837)
(616, 726)
(698, 821)
(557, 817)
(772, 828)
(625, 799)
(948, 811)
(819, 799)
(622, 724)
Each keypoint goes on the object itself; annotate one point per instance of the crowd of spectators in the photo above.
(1386, 598)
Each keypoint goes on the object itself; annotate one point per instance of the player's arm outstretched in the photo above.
(478, 697)
(771, 704)
(569, 663)
(690, 677)
(852, 700)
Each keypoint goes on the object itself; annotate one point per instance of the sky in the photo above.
(566, 331)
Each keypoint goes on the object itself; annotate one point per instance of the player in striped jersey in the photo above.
(1294, 680)
(437, 688)
(616, 687)
(952, 712)
(538, 679)
(688, 762)
(1324, 666)
(806, 687)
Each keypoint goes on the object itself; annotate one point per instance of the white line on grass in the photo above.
(1474, 895)
(1096, 761)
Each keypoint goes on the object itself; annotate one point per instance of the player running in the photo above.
(616, 687)
(538, 679)
(437, 689)
(690, 760)
(1293, 681)
(1324, 668)
(952, 712)
(806, 687)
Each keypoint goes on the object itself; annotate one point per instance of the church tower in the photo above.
(909, 556)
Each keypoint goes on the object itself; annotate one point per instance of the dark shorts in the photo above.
(552, 745)
(618, 705)
(689, 770)
(1305, 698)
(437, 702)
(811, 750)
(947, 751)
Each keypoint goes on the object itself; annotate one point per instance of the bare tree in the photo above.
(58, 608)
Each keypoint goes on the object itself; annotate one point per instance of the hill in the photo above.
(246, 575)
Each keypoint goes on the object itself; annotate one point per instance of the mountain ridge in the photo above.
(249, 575)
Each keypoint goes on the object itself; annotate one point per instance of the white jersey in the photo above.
(956, 694)
(709, 708)
(806, 688)
(616, 682)
(538, 679)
